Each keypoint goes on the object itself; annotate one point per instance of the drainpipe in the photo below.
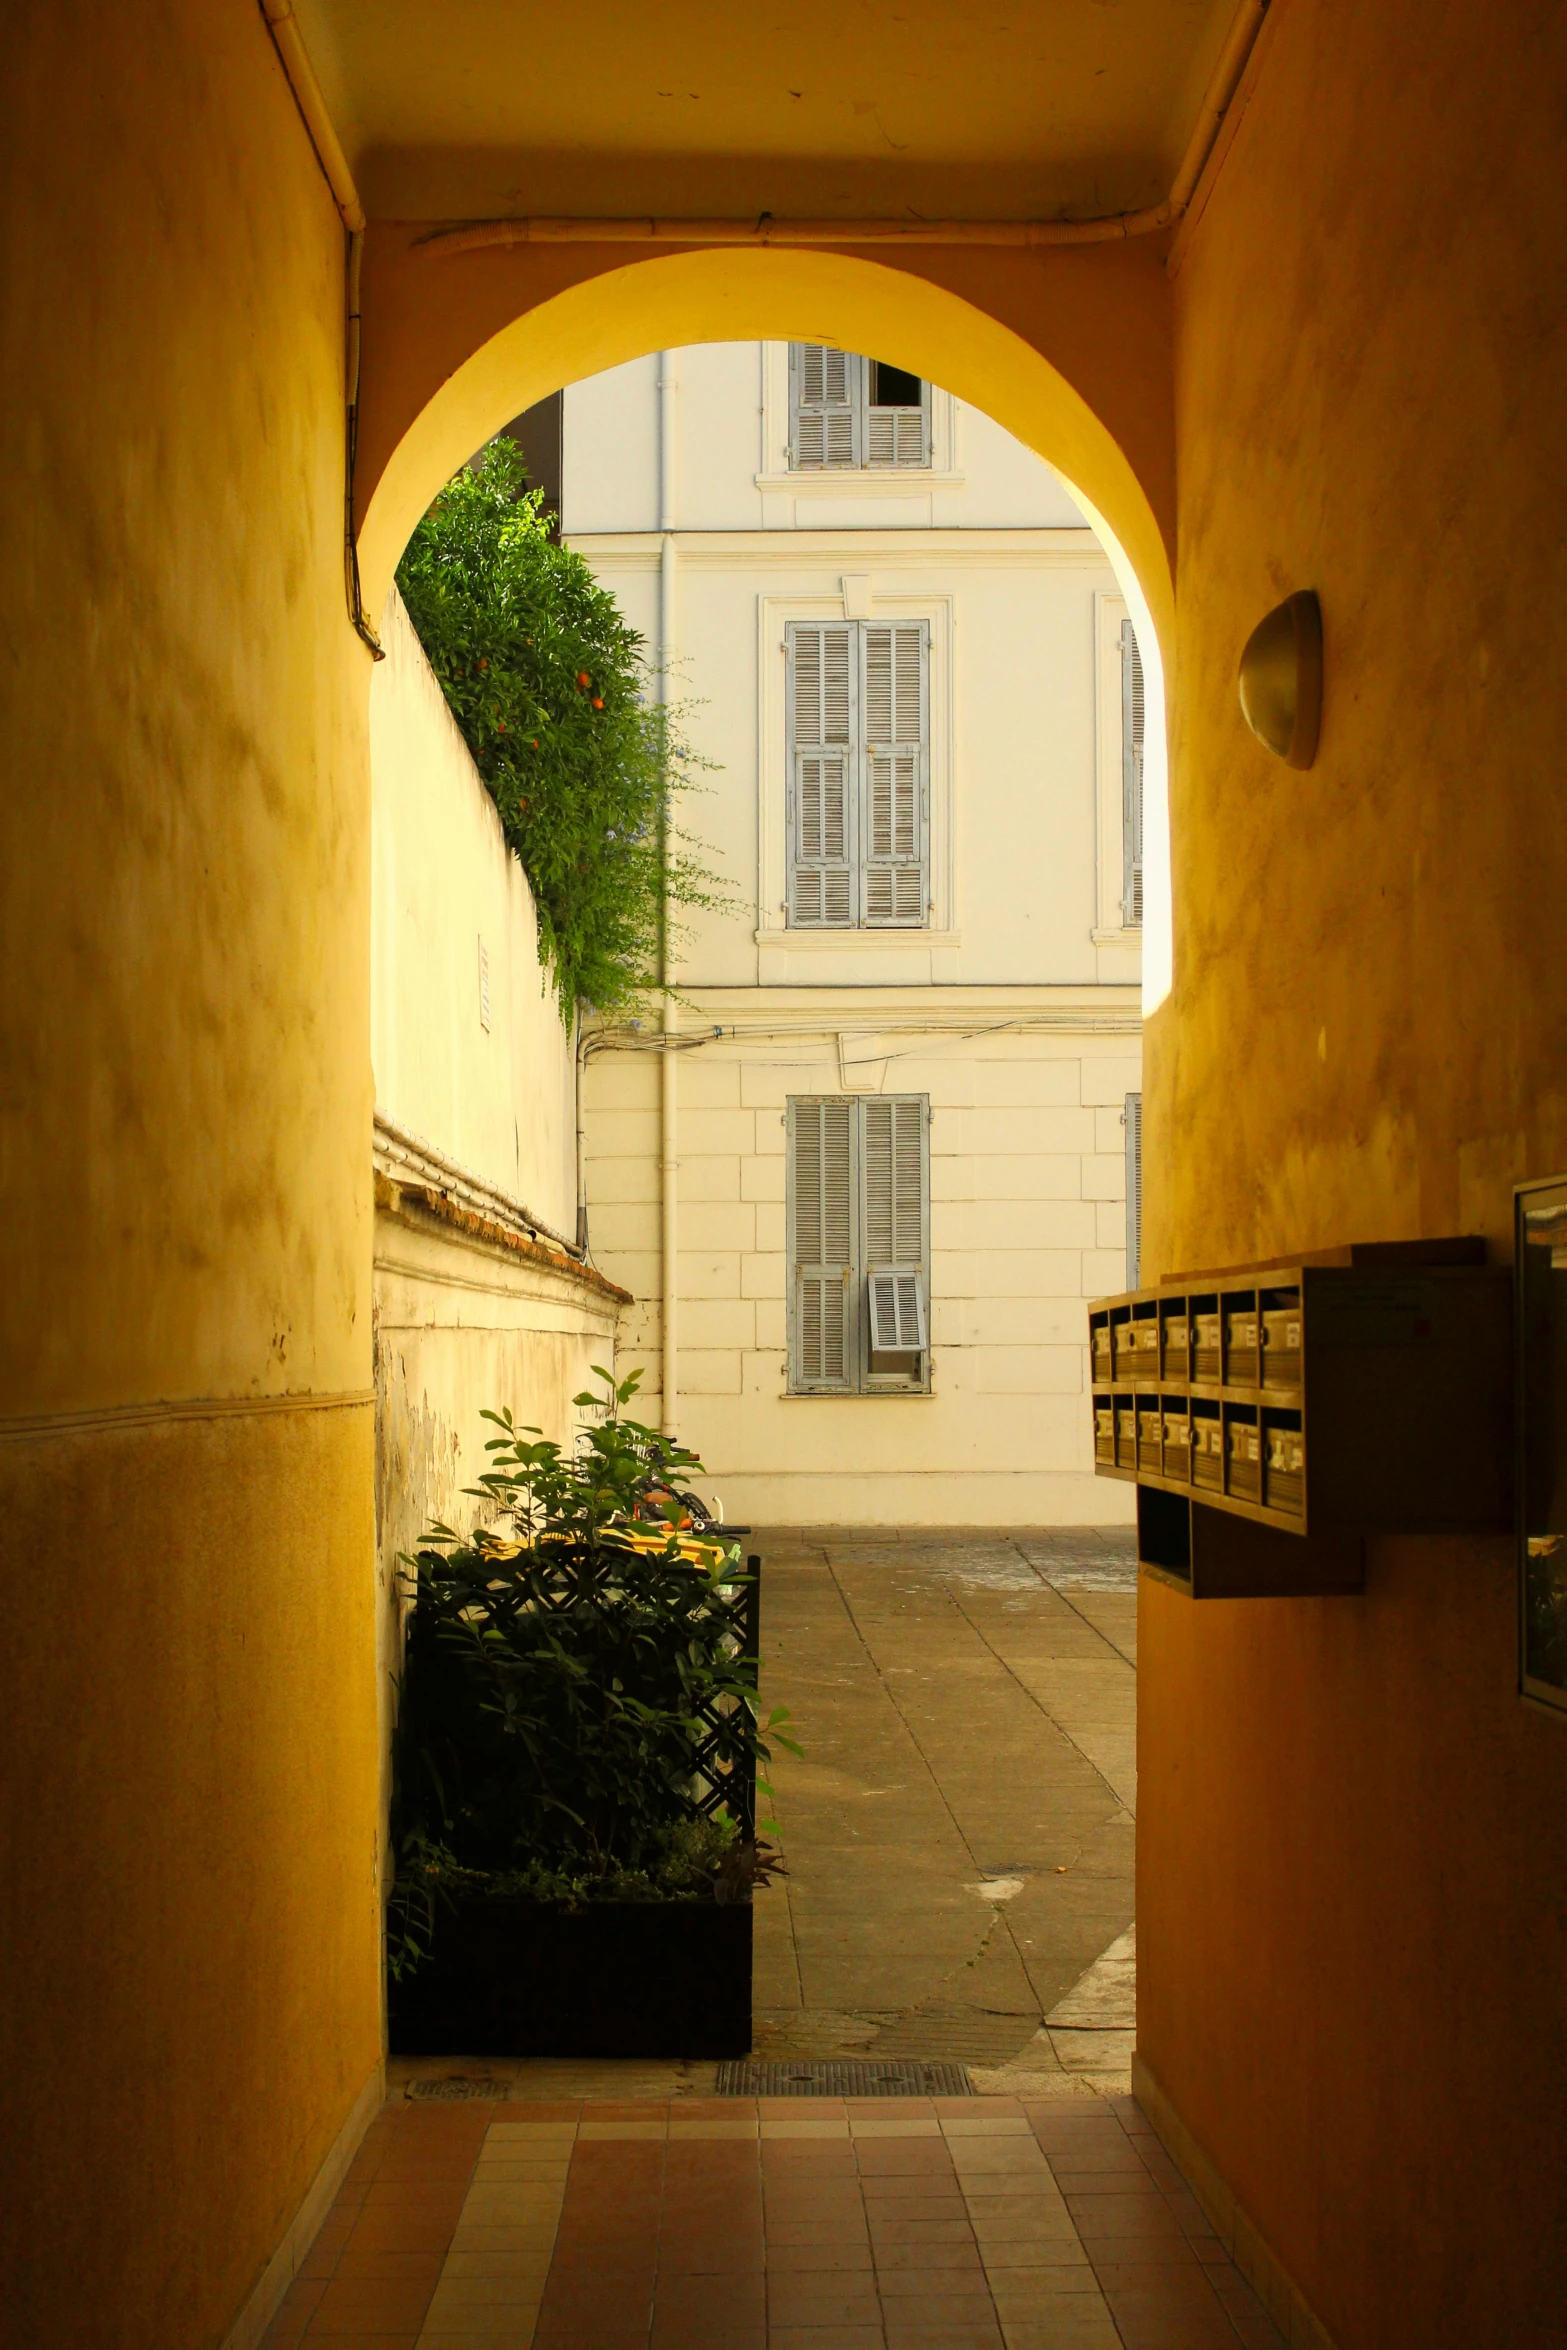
(670, 1062)
(283, 25)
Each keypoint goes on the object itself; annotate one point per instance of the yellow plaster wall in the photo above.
(187, 1729)
(1067, 347)
(1351, 1941)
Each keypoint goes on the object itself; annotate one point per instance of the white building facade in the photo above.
(864, 1178)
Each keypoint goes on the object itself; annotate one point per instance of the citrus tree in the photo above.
(552, 691)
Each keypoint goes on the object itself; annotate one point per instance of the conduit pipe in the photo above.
(288, 41)
(669, 1119)
(1106, 228)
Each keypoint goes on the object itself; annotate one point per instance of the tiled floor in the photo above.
(789, 2224)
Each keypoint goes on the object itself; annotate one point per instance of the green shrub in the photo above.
(578, 1719)
(549, 685)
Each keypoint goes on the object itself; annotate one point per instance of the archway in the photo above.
(740, 294)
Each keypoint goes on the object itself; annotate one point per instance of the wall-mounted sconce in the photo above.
(1281, 678)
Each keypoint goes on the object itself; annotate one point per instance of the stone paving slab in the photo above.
(966, 1700)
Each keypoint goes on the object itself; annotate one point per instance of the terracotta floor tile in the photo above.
(941, 2254)
(841, 2337)
(371, 2305)
(1145, 2323)
(608, 2305)
(889, 2232)
(1068, 2330)
(297, 2309)
(1123, 2215)
(825, 2229)
(400, 2231)
(1259, 2333)
(590, 2337)
(1184, 2204)
(947, 2332)
(735, 2301)
(807, 2159)
(802, 2300)
(923, 2182)
(687, 2334)
(915, 2157)
(1074, 2180)
(816, 2257)
(560, 2109)
(899, 2286)
(714, 2258)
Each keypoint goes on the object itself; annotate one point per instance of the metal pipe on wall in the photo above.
(1107, 228)
(669, 1118)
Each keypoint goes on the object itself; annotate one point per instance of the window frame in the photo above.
(863, 409)
(860, 855)
(939, 471)
(774, 613)
(864, 1380)
(1111, 927)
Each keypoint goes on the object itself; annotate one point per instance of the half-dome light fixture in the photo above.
(1281, 678)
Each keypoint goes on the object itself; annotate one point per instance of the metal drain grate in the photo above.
(835, 2076)
(455, 2086)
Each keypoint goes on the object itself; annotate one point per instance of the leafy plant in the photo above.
(549, 685)
(579, 1719)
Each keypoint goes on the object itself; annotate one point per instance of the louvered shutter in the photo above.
(821, 1206)
(824, 386)
(1132, 1119)
(894, 706)
(899, 436)
(894, 1217)
(1131, 777)
(823, 705)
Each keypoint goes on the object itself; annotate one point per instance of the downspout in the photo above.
(669, 1121)
(288, 41)
(580, 1056)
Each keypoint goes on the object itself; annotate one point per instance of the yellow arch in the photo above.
(755, 295)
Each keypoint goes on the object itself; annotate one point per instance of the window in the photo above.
(846, 412)
(1121, 725)
(859, 774)
(859, 1244)
(1132, 1120)
(1131, 778)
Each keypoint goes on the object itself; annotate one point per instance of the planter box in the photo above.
(635, 1978)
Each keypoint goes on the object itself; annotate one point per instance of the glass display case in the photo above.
(1541, 1275)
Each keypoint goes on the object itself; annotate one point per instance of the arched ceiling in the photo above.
(456, 109)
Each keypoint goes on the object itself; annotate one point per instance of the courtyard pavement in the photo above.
(958, 1835)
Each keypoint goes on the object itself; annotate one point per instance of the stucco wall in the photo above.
(191, 2000)
(464, 1322)
(498, 1099)
(1027, 1220)
(1352, 1939)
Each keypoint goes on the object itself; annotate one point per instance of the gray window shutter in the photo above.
(822, 1237)
(1132, 1120)
(899, 436)
(895, 790)
(895, 1222)
(823, 812)
(824, 388)
(1131, 777)
(897, 1313)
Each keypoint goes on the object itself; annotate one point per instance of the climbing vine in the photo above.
(551, 688)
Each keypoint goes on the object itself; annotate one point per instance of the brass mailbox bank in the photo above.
(1272, 1415)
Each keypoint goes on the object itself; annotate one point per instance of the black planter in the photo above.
(626, 1978)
